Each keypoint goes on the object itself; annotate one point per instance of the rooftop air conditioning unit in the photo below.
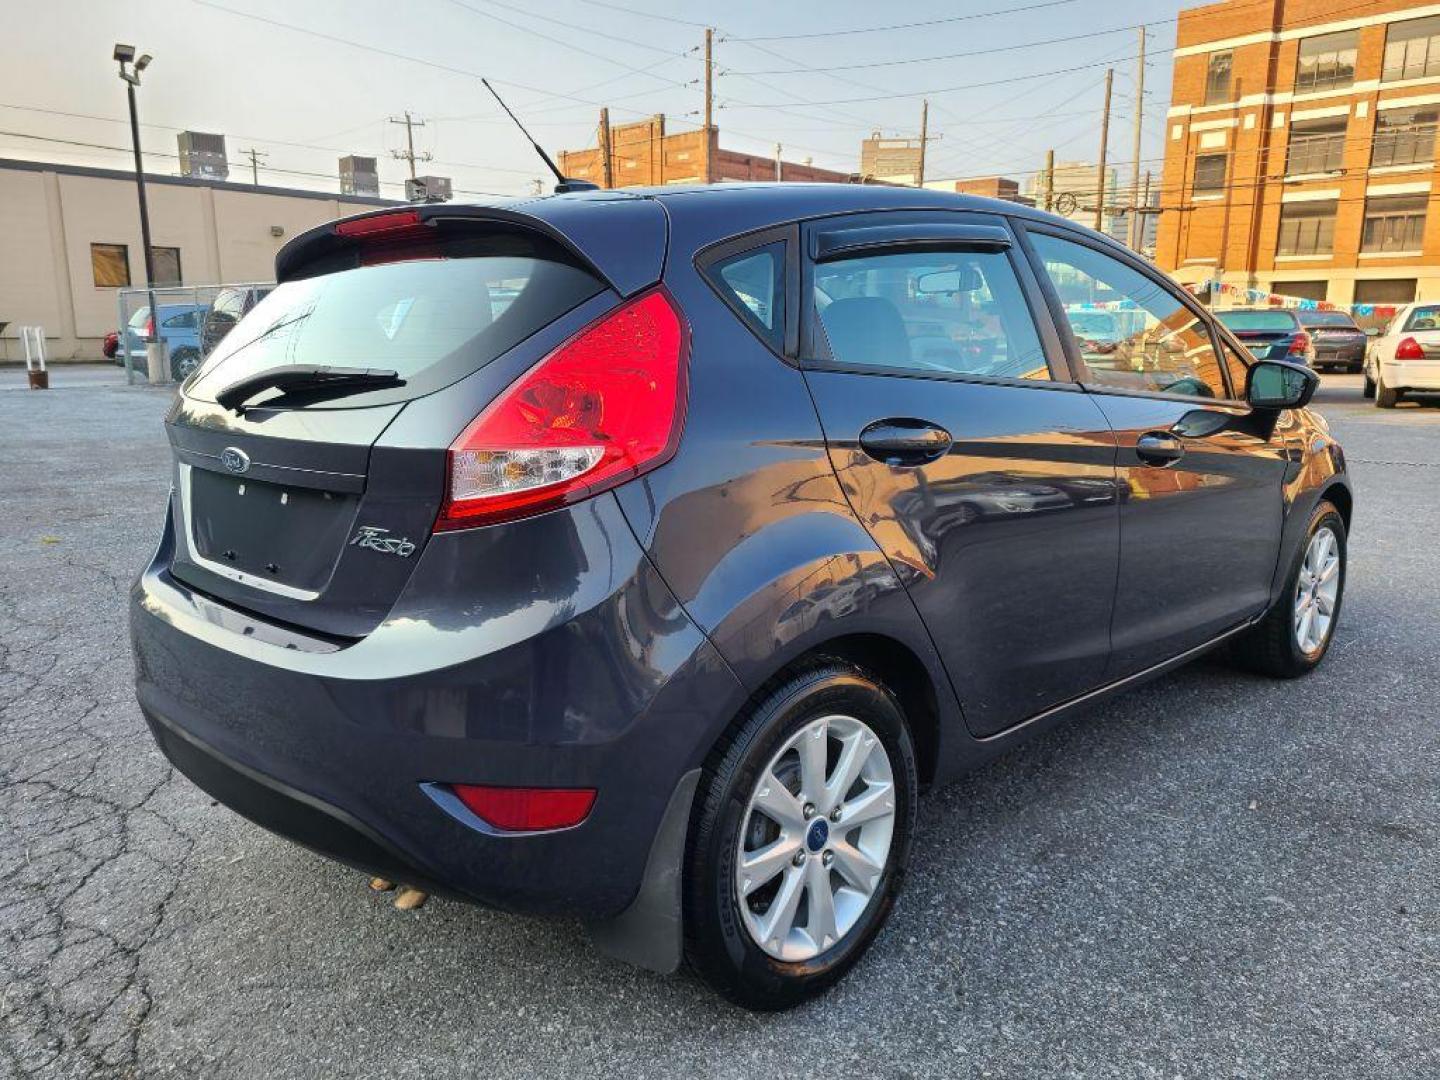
(428, 189)
(202, 155)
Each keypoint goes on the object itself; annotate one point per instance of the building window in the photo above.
(1306, 290)
(1316, 146)
(1412, 50)
(1307, 228)
(1389, 291)
(1404, 137)
(1394, 223)
(110, 265)
(1217, 78)
(1210, 172)
(1327, 62)
(166, 261)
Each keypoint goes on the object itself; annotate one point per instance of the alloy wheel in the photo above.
(816, 838)
(1317, 591)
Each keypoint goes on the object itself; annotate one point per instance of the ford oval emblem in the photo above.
(235, 459)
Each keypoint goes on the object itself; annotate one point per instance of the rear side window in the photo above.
(753, 284)
(432, 320)
(947, 312)
(1424, 318)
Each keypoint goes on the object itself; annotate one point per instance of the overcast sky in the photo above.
(308, 80)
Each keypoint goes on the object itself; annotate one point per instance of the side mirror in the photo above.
(1273, 384)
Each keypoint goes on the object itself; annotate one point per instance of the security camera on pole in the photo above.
(157, 370)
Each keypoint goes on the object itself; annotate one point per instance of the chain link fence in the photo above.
(191, 321)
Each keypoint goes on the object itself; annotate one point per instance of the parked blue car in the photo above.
(655, 594)
(180, 326)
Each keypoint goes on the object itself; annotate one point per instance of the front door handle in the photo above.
(905, 442)
(1159, 448)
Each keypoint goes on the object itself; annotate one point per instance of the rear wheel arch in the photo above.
(891, 663)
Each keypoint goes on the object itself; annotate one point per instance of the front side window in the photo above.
(110, 265)
(1394, 223)
(1217, 78)
(1307, 228)
(754, 283)
(1131, 331)
(1412, 50)
(1404, 136)
(944, 312)
(1327, 62)
(1210, 172)
(1316, 146)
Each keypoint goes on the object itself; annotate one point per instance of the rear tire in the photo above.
(1273, 646)
(723, 928)
(1385, 398)
(183, 361)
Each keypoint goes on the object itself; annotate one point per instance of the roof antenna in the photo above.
(565, 183)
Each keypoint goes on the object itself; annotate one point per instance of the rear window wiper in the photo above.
(289, 378)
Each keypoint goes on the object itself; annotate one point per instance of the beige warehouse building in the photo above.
(70, 239)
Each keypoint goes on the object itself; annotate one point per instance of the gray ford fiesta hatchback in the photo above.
(642, 556)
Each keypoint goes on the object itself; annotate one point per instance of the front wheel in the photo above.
(183, 361)
(1295, 635)
(799, 838)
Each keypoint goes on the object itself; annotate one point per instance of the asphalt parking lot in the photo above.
(1215, 876)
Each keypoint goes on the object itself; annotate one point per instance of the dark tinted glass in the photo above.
(754, 281)
(431, 320)
(948, 312)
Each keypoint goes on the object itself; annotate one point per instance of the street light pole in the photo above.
(140, 189)
(125, 56)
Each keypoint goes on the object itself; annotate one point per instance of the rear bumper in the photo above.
(607, 686)
(1340, 354)
(1421, 375)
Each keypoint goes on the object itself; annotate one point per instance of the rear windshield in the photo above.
(1327, 318)
(1424, 318)
(431, 320)
(1257, 320)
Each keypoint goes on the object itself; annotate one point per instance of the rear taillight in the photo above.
(1300, 345)
(1409, 349)
(517, 809)
(149, 329)
(604, 407)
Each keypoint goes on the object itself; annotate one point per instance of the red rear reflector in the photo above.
(379, 224)
(1409, 349)
(1301, 345)
(527, 809)
(604, 407)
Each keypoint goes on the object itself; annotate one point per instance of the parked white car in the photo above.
(1406, 357)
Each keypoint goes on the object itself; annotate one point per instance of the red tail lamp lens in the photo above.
(601, 409)
(1301, 345)
(527, 809)
(1409, 349)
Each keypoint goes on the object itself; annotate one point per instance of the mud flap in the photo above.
(650, 933)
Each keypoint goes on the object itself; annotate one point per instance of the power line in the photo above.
(911, 25)
(960, 55)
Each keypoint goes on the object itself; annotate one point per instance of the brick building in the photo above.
(1300, 149)
(643, 153)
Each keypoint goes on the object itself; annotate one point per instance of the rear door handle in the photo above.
(905, 442)
(1159, 448)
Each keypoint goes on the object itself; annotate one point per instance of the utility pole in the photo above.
(709, 101)
(408, 154)
(255, 156)
(607, 175)
(924, 138)
(778, 167)
(1049, 180)
(1133, 233)
(1104, 142)
(1143, 221)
